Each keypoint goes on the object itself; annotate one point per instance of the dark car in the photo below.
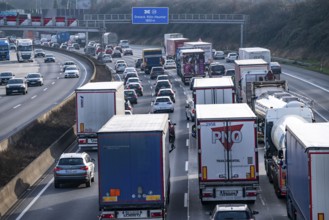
(34, 79)
(39, 53)
(49, 58)
(116, 54)
(5, 76)
(74, 168)
(232, 211)
(137, 87)
(216, 69)
(55, 45)
(76, 46)
(16, 85)
(162, 84)
(138, 62)
(155, 71)
(131, 95)
(167, 92)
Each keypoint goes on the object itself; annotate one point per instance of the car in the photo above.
(190, 109)
(128, 112)
(76, 46)
(127, 51)
(55, 45)
(155, 71)
(45, 44)
(119, 61)
(119, 48)
(129, 75)
(12, 46)
(231, 73)
(162, 104)
(169, 64)
(71, 73)
(49, 58)
(5, 76)
(138, 62)
(131, 95)
(129, 70)
(34, 79)
(128, 106)
(120, 68)
(276, 69)
(167, 92)
(137, 87)
(63, 46)
(162, 77)
(16, 85)
(132, 80)
(192, 81)
(218, 55)
(68, 63)
(107, 58)
(231, 57)
(39, 53)
(232, 211)
(74, 168)
(162, 84)
(216, 69)
(116, 54)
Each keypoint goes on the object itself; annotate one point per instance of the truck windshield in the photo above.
(4, 48)
(25, 48)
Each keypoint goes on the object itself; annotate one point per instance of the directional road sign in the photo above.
(150, 15)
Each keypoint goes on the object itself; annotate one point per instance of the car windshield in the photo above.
(15, 81)
(165, 92)
(33, 76)
(217, 68)
(6, 74)
(134, 85)
(129, 93)
(133, 80)
(70, 161)
(236, 215)
(71, 68)
(163, 83)
(158, 69)
(162, 99)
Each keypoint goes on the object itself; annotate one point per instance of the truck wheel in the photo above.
(56, 184)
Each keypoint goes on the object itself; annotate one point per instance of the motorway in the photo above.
(16, 111)
(43, 201)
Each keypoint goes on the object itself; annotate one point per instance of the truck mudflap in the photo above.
(229, 193)
(150, 214)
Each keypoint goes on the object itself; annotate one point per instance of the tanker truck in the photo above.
(276, 114)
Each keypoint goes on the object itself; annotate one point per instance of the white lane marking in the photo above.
(17, 106)
(35, 199)
(308, 82)
(185, 200)
(262, 200)
(45, 89)
(184, 93)
(53, 82)
(188, 125)
(33, 97)
(187, 142)
(186, 166)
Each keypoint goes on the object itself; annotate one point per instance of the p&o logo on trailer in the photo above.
(227, 135)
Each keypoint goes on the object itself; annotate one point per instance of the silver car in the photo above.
(74, 168)
(232, 211)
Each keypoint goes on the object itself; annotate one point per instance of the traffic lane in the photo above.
(18, 110)
(71, 201)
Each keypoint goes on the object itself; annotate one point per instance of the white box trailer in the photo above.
(307, 156)
(213, 90)
(255, 53)
(227, 152)
(96, 103)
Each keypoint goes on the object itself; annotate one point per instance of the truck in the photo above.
(96, 103)
(307, 158)
(134, 172)
(80, 38)
(251, 80)
(276, 117)
(110, 38)
(4, 49)
(24, 50)
(227, 152)
(173, 44)
(178, 59)
(62, 37)
(205, 46)
(260, 53)
(192, 64)
(152, 57)
(170, 35)
(213, 90)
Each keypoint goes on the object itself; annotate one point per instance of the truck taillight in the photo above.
(251, 194)
(252, 172)
(107, 215)
(156, 214)
(320, 216)
(193, 111)
(204, 173)
(207, 194)
(82, 141)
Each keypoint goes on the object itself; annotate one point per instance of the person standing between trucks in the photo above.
(269, 76)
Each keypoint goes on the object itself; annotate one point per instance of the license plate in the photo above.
(132, 214)
(15, 90)
(92, 141)
(229, 193)
(71, 171)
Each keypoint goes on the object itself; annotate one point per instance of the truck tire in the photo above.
(56, 184)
